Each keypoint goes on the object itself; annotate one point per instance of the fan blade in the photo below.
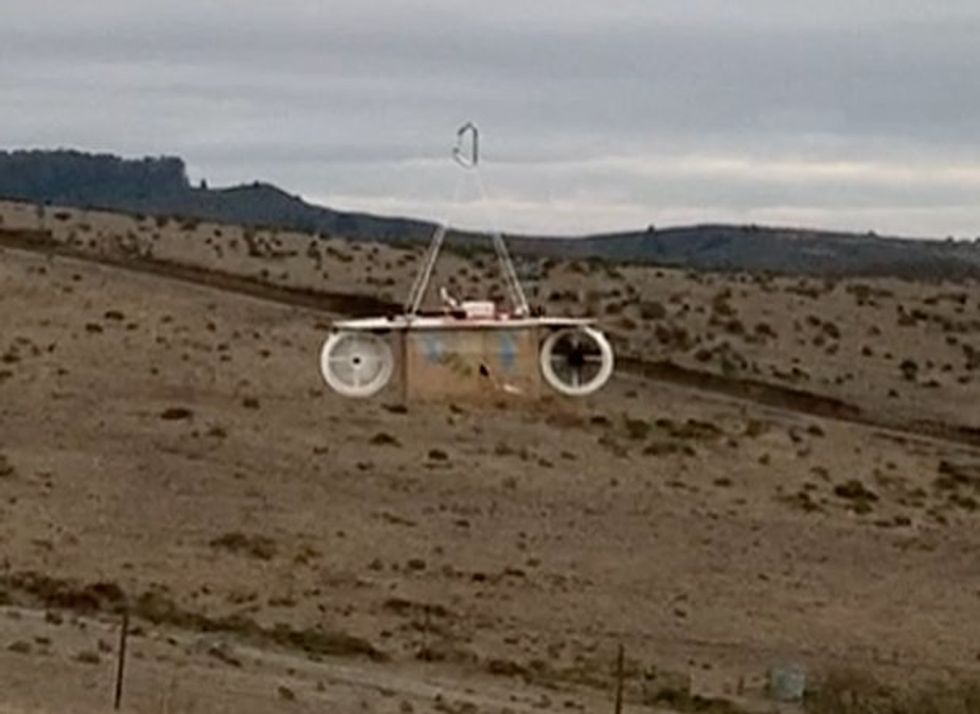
(356, 364)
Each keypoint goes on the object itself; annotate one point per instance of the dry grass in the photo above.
(852, 692)
(660, 506)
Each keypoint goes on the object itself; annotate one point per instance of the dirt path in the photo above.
(169, 670)
(325, 301)
(794, 400)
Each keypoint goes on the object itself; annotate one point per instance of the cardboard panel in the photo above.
(472, 363)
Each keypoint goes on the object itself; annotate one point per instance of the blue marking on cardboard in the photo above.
(508, 351)
(433, 349)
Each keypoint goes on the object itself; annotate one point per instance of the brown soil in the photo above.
(168, 447)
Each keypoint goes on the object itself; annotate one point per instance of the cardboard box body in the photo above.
(471, 363)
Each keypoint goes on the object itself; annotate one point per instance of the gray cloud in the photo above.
(848, 115)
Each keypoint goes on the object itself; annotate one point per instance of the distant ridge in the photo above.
(777, 250)
(160, 186)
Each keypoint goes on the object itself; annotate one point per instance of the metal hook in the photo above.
(467, 162)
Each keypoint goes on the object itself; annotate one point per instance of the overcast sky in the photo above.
(595, 115)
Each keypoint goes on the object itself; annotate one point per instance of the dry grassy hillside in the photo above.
(908, 350)
(170, 448)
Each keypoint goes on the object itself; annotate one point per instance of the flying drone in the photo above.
(468, 347)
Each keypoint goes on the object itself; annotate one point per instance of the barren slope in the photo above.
(173, 446)
(905, 351)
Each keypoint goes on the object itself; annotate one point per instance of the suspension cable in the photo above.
(511, 280)
(509, 273)
(421, 284)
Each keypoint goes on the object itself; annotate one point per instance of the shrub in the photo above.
(652, 310)
(909, 369)
(384, 439)
(6, 468)
(637, 429)
(850, 692)
(860, 496)
(176, 413)
(255, 546)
